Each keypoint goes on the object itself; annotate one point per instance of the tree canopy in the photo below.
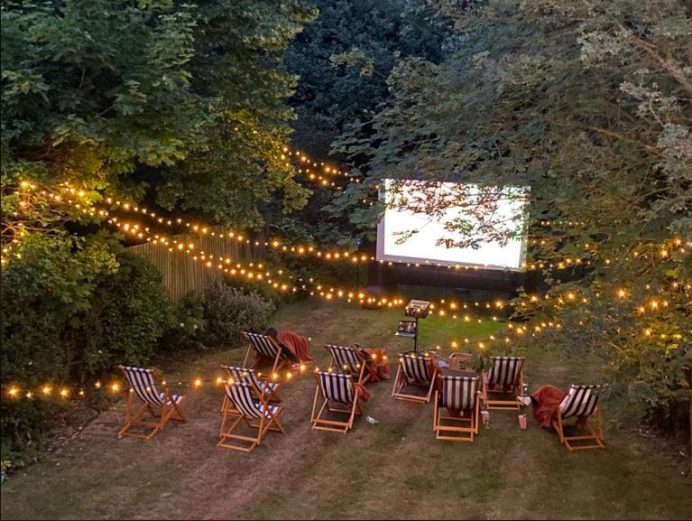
(589, 105)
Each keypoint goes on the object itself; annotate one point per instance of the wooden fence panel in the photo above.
(182, 274)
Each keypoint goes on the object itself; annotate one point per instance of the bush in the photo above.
(50, 287)
(229, 310)
(77, 308)
(187, 324)
(129, 312)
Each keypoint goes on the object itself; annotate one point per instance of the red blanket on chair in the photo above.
(300, 345)
(546, 401)
(377, 364)
(361, 392)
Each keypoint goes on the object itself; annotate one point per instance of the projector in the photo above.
(417, 309)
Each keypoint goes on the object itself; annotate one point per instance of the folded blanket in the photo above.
(299, 345)
(545, 404)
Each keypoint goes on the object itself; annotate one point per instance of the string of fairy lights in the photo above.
(114, 385)
(320, 173)
(257, 273)
(140, 230)
(652, 304)
(324, 175)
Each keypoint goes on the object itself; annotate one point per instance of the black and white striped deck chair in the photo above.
(460, 397)
(265, 348)
(415, 371)
(253, 412)
(235, 373)
(339, 396)
(581, 403)
(348, 359)
(161, 404)
(503, 383)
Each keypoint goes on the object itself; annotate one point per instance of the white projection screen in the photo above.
(424, 222)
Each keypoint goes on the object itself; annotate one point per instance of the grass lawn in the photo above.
(394, 469)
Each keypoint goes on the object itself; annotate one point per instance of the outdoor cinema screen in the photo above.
(453, 224)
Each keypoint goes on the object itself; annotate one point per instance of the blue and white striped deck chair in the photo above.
(415, 371)
(348, 359)
(163, 404)
(581, 403)
(503, 383)
(265, 348)
(236, 373)
(459, 395)
(338, 395)
(254, 411)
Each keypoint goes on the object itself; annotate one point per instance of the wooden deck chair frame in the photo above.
(165, 409)
(228, 439)
(269, 389)
(516, 390)
(401, 381)
(280, 360)
(593, 437)
(458, 428)
(362, 362)
(349, 409)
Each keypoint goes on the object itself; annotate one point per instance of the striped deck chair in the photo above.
(503, 384)
(415, 370)
(460, 397)
(348, 359)
(581, 403)
(254, 411)
(264, 347)
(237, 373)
(163, 405)
(338, 396)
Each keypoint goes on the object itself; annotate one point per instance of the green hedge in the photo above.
(71, 311)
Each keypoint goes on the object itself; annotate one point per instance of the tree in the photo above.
(344, 57)
(589, 104)
(240, 165)
(148, 101)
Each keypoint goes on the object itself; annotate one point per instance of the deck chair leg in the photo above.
(179, 412)
(319, 413)
(314, 406)
(132, 419)
(247, 355)
(397, 385)
(276, 364)
(432, 386)
(560, 427)
(353, 412)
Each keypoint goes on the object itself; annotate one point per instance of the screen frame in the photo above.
(380, 255)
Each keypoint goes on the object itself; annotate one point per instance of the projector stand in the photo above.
(415, 309)
(411, 335)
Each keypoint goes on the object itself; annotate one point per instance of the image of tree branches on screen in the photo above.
(428, 221)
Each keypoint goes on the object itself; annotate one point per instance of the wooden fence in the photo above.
(182, 274)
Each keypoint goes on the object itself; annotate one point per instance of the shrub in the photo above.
(78, 308)
(187, 324)
(230, 310)
(42, 293)
(129, 312)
